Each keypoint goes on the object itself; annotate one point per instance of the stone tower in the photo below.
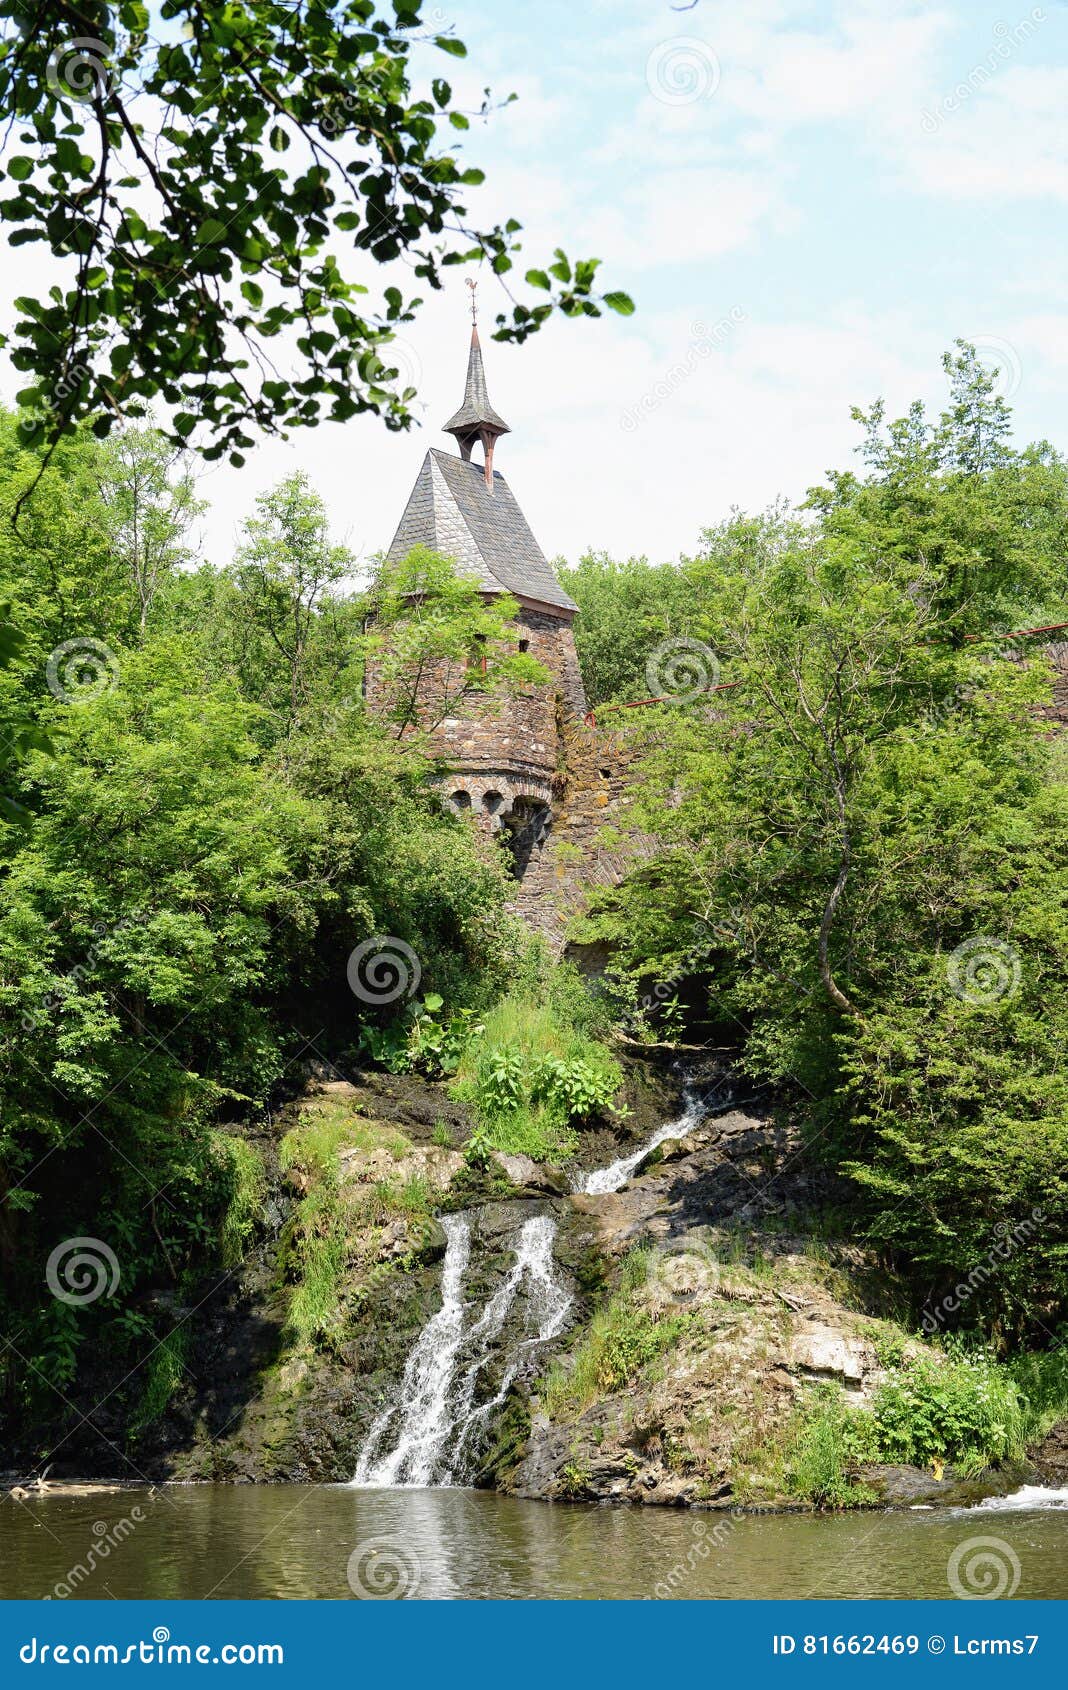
(503, 752)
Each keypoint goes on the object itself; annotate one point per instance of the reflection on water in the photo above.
(307, 1541)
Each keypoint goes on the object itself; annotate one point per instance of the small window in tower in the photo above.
(476, 657)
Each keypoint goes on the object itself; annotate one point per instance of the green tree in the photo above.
(199, 168)
(862, 849)
(435, 636)
(149, 495)
(625, 611)
(285, 574)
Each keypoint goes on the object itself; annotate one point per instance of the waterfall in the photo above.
(428, 1373)
(436, 1411)
(463, 1364)
(616, 1175)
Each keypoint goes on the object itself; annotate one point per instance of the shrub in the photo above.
(967, 1411)
(530, 1076)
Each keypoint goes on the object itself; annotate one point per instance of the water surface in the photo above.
(248, 1541)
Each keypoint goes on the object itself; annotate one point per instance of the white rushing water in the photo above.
(616, 1175)
(1029, 1496)
(436, 1412)
(424, 1436)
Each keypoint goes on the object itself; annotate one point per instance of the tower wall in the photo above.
(504, 750)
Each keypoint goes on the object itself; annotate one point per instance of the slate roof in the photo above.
(451, 510)
(476, 408)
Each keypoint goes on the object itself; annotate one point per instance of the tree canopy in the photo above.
(219, 181)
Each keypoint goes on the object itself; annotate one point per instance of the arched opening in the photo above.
(460, 801)
(492, 803)
(522, 831)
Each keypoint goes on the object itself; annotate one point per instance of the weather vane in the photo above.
(474, 303)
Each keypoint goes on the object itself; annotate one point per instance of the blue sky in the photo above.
(808, 203)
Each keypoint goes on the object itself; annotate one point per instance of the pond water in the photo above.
(335, 1542)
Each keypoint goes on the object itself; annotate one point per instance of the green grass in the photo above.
(163, 1373)
(317, 1251)
(503, 1073)
(816, 1468)
(317, 1245)
(246, 1186)
(326, 1127)
(332, 1216)
(623, 1339)
(1042, 1380)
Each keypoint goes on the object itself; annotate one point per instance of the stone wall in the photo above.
(1057, 712)
(589, 840)
(505, 750)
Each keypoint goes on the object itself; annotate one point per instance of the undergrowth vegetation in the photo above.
(331, 1218)
(531, 1076)
(624, 1339)
(933, 1410)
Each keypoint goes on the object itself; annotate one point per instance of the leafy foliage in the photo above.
(218, 824)
(625, 611)
(532, 1076)
(869, 804)
(199, 181)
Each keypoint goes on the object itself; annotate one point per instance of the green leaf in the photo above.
(538, 279)
(449, 44)
(620, 302)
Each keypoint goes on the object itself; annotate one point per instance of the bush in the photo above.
(530, 1076)
(969, 1412)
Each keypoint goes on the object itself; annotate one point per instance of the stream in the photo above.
(424, 1437)
(249, 1541)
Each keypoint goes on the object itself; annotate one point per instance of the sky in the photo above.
(808, 204)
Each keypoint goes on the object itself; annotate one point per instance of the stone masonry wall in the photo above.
(589, 840)
(504, 751)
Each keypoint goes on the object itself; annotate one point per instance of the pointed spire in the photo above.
(476, 419)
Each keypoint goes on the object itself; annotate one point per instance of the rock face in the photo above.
(699, 1312)
(750, 1320)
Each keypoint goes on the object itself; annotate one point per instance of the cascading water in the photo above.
(436, 1413)
(424, 1437)
(616, 1175)
(424, 1391)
